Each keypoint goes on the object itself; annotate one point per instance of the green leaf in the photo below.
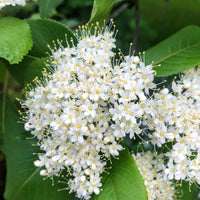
(35, 69)
(177, 53)
(188, 191)
(18, 71)
(101, 11)
(28, 69)
(44, 32)
(124, 181)
(23, 181)
(15, 39)
(47, 7)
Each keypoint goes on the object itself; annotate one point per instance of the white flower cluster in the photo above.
(151, 167)
(4, 3)
(175, 118)
(84, 107)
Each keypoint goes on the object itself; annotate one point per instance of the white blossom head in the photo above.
(84, 107)
(175, 118)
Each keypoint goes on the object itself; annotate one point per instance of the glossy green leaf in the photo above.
(177, 53)
(35, 69)
(47, 7)
(15, 39)
(101, 11)
(123, 181)
(28, 69)
(18, 71)
(44, 32)
(23, 181)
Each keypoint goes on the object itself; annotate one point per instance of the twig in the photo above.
(136, 30)
(165, 10)
(120, 9)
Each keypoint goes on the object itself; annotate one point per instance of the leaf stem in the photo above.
(136, 30)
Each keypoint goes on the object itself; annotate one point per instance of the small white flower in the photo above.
(114, 149)
(89, 108)
(38, 163)
(43, 172)
(27, 127)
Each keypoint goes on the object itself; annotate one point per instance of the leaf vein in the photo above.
(113, 188)
(25, 182)
(176, 52)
